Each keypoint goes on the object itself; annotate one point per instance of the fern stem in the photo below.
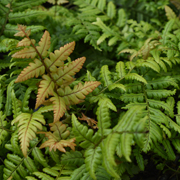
(6, 19)
(2, 127)
(130, 132)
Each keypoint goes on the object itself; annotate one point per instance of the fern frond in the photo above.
(111, 10)
(78, 173)
(44, 44)
(59, 56)
(43, 176)
(33, 70)
(163, 82)
(8, 105)
(18, 6)
(103, 117)
(25, 16)
(25, 102)
(160, 93)
(39, 156)
(92, 160)
(120, 69)
(16, 105)
(78, 93)
(169, 150)
(150, 63)
(167, 28)
(25, 53)
(56, 139)
(119, 86)
(59, 106)
(132, 97)
(3, 123)
(46, 87)
(107, 163)
(68, 71)
(169, 13)
(73, 157)
(161, 104)
(105, 75)
(139, 158)
(15, 169)
(28, 125)
(135, 76)
(83, 134)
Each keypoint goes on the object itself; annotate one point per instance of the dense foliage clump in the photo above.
(106, 115)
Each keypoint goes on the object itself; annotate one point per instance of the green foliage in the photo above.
(132, 51)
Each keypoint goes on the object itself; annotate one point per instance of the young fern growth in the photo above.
(56, 78)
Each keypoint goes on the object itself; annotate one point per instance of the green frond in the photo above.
(158, 116)
(161, 104)
(111, 10)
(174, 126)
(16, 105)
(163, 82)
(166, 130)
(43, 176)
(3, 123)
(154, 135)
(160, 93)
(78, 173)
(16, 167)
(10, 29)
(140, 132)
(139, 158)
(169, 13)
(103, 117)
(28, 125)
(122, 17)
(25, 16)
(25, 102)
(132, 97)
(93, 158)
(159, 149)
(127, 141)
(166, 30)
(107, 163)
(19, 6)
(119, 86)
(15, 143)
(8, 105)
(120, 69)
(134, 76)
(176, 144)
(149, 63)
(73, 157)
(129, 118)
(133, 87)
(178, 111)
(169, 150)
(85, 136)
(106, 75)
(39, 157)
